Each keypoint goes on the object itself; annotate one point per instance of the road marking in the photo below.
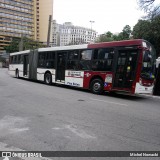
(12, 124)
(79, 132)
(121, 104)
(56, 128)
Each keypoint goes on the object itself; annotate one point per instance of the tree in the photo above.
(126, 32)
(109, 36)
(150, 8)
(142, 30)
(14, 45)
(2, 59)
(106, 37)
(146, 4)
(148, 30)
(27, 45)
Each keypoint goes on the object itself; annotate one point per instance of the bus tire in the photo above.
(17, 73)
(48, 78)
(97, 86)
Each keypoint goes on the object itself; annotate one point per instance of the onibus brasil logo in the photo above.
(7, 155)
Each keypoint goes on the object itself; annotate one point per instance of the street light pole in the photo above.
(49, 30)
(91, 30)
(21, 42)
(91, 24)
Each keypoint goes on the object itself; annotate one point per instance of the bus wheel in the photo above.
(48, 78)
(17, 73)
(96, 86)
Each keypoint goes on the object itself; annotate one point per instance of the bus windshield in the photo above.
(148, 61)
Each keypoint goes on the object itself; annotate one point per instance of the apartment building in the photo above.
(27, 18)
(16, 19)
(42, 10)
(68, 34)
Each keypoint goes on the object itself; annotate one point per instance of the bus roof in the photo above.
(117, 43)
(21, 52)
(83, 46)
(88, 46)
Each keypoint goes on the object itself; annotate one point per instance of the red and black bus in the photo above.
(120, 66)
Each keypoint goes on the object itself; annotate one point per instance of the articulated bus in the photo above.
(121, 66)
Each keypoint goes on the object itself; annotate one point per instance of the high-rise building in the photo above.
(16, 20)
(42, 10)
(27, 18)
(68, 34)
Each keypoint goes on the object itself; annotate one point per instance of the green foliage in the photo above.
(108, 36)
(126, 32)
(148, 30)
(150, 7)
(2, 59)
(27, 45)
(14, 46)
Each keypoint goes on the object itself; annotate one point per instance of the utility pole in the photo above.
(91, 24)
(49, 30)
(21, 41)
(91, 30)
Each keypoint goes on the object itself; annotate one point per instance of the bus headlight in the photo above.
(108, 78)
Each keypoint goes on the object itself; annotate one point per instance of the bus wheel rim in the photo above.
(96, 86)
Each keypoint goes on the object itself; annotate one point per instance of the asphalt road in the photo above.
(37, 117)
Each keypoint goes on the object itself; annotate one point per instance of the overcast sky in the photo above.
(109, 15)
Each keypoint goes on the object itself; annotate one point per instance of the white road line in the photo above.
(79, 132)
(121, 104)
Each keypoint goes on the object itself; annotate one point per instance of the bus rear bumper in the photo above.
(139, 89)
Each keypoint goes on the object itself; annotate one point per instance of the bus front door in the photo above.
(125, 69)
(61, 65)
(25, 65)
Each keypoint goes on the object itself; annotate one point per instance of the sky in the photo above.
(108, 15)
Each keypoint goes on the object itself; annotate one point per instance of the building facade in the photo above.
(68, 34)
(27, 18)
(16, 19)
(42, 10)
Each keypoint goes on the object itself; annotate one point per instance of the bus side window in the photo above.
(73, 55)
(102, 59)
(15, 59)
(72, 62)
(86, 55)
(11, 60)
(19, 59)
(41, 59)
(73, 65)
(85, 59)
(50, 60)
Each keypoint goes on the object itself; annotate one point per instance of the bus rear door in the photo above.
(25, 65)
(61, 65)
(125, 69)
